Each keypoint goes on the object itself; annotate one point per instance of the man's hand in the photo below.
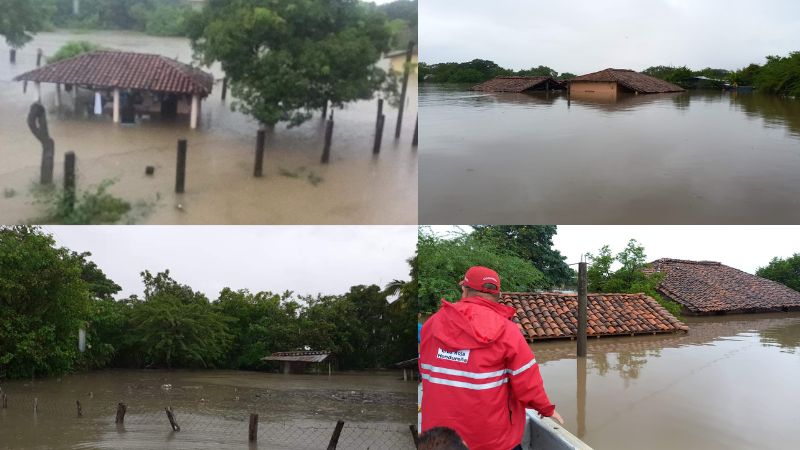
(557, 417)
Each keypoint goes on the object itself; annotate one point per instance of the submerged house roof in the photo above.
(710, 287)
(555, 315)
(299, 356)
(635, 81)
(124, 70)
(518, 84)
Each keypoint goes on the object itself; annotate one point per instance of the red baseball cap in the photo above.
(482, 279)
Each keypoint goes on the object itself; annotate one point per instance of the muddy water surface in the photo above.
(355, 188)
(730, 382)
(212, 408)
(697, 157)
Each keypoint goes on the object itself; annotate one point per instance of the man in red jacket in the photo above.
(478, 373)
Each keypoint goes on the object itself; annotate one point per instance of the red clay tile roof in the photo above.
(112, 69)
(711, 287)
(516, 84)
(635, 81)
(555, 315)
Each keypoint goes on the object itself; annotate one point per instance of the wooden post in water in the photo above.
(581, 394)
(224, 88)
(80, 408)
(13, 56)
(39, 54)
(37, 122)
(261, 139)
(122, 408)
(415, 140)
(5, 401)
(69, 179)
(582, 304)
(180, 173)
(376, 148)
(404, 89)
(326, 151)
(325, 110)
(336, 433)
(172, 422)
(252, 434)
(35, 405)
(380, 109)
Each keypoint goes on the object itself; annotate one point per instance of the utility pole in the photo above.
(582, 303)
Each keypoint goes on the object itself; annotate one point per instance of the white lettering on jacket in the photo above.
(460, 356)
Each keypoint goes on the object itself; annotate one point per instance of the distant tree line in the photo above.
(48, 293)
(478, 71)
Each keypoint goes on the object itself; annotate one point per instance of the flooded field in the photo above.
(696, 157)
(212, 409)
(355, 188)
(731, 382)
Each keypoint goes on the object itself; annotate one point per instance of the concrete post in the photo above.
(58, 95)
(116, 105)
(38, 92)
(582, 306)
(195, 111)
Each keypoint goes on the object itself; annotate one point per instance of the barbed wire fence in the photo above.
(136, 425)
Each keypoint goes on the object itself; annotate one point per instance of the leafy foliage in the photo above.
(20, 19)
(780, 75)
(403, 22)
(285, 58)
(72, 49)
(630, 277)
(477, 71)
(89, 207)
(783, 270)
(443, 262)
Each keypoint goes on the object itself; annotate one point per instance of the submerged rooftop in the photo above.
(629, 79)
(518, 84)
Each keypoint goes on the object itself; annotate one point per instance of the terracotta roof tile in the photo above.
(554, 315)
(632, 80)
(125, 70)
(710, 287)
(517, 84)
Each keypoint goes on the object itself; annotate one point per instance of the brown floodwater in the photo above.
(212, 409)
(355, 188)
(695, 157)
(730, 382)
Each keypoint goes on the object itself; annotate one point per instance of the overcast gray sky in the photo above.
(582, 36)
(743, 247)
(304, 259)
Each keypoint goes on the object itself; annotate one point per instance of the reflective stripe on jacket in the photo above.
(479, 374)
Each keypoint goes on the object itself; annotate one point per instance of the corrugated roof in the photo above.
(124, 70)
(517, 84)
(299, 356)
(632, 80)
(547, 315)
(710, 287)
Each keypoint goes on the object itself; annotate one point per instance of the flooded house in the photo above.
(520, 84)
(546, 315)
(709, 287)
(301, 361)
(130, 84)
(610, 82)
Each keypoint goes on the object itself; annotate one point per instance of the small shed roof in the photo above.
(299, 356)
(547, 315)
(630, 79)
(516, 84)
(124, 70)
(712, 287)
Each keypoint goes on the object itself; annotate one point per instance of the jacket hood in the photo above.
(471, 323)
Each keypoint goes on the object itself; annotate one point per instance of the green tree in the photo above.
(403, 316)
(72, 49)
(443, 262)
(780, 75)
(20, 19)
(285, 58)
(43, 303)
(566, 76)
(783, 270)
(540, 71)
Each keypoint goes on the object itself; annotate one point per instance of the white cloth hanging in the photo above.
(98, 104)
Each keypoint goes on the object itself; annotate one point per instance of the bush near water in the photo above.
(48, 293)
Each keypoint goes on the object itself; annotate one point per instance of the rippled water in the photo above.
(695, 157)
(212, 408)
(730, 382)
(355, 188)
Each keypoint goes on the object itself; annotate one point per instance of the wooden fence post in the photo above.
(582, 301)
(326, 151)
(415, 141)
(172, 422)
(13, 56)
(180, 174)
(260, 142)
(37, 122)
(35, 405)
(376, 148)
(404, 90)
(69, 179)
(80, 409)
(252, 434)
(335, 437)
(380, 109)
(224, 88)
(39, 54)
(5, 401)
(122, 408)
(325, 109)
